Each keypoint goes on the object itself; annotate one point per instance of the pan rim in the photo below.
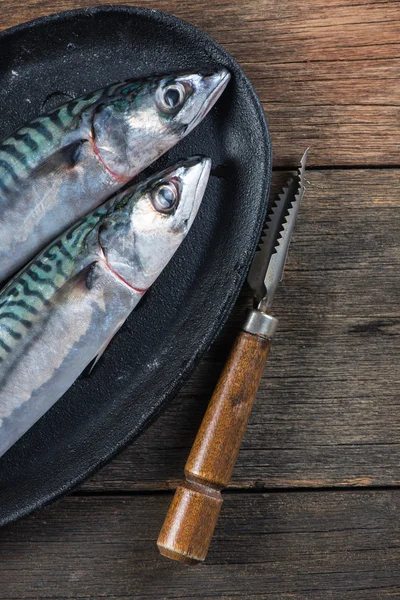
(180, 379)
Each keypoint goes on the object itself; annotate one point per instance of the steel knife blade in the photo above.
(268, 264)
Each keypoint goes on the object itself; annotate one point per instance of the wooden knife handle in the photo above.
(192, 517)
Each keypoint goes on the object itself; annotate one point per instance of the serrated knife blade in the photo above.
(267, 268)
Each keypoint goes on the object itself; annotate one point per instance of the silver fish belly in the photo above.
(79, 301)
(58, 167)
(83, 321)
(62, 309)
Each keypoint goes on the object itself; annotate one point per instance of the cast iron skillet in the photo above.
(44, 62)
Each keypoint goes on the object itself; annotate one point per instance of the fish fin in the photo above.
(78, 285)
(63, 159)
(81, 284)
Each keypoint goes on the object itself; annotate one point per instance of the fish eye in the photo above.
(165, 198)
(171, 97)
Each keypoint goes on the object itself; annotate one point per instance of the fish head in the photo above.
(147, 223)
(143, 118)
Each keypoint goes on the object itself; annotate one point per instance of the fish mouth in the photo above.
(203, 179)
(222, 77)
(225, 77)
(201, 184)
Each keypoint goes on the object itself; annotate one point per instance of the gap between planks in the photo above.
(234, 490)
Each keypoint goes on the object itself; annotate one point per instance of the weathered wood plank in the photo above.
(303, 546)
(327, 412)
(327, 74)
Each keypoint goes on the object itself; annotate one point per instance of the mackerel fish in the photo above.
(60, 312)
(60, 166)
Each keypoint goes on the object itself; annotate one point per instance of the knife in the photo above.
(190, 522)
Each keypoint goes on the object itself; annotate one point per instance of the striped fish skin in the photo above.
(63, 308)
(58, 167)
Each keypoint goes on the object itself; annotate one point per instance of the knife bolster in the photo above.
(261, 324)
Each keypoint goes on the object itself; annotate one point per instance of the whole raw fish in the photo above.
(57, 168)
(63, 308)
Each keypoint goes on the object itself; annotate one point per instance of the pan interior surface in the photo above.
(45, 62)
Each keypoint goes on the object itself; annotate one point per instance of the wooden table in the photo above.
(314, 506)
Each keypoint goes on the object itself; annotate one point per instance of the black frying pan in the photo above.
(44, 62)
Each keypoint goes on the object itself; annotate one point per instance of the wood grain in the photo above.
(191, 519)
(303, 546)
(326, 72)
(328, 409)
(214, 452)
(327, 413)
